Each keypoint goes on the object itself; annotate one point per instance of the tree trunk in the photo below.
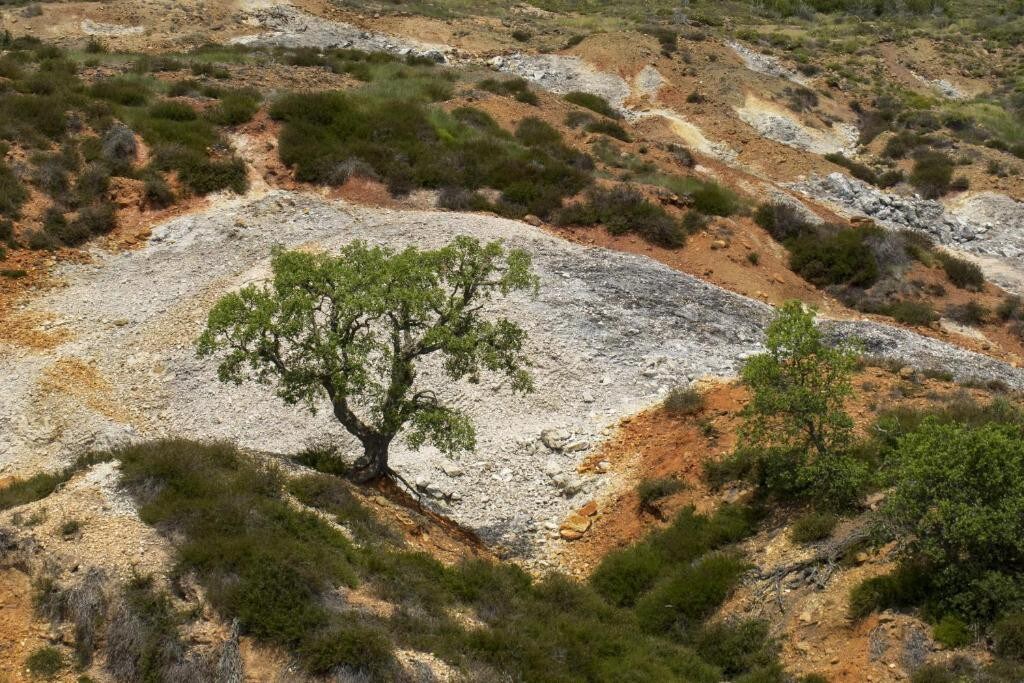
(373, 464)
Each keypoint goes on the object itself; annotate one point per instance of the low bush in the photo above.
(841, 258)
(623, 210)
(46, 662)
(650, 491)
(972, 313)
(517, 88)
(409, 146)
(713, 199)
(1008, 637)
(856, 169)
(932, 174)
(234, 108)
(594, 103)
(173, 110)
(952, 632)
(683, 401)
(610, 128)
(813, 527)
(157, 193)
(142, 638)
(624, 575)
(782, 221)
(736, 646)
(918, 313)
(666, 37)
(906, 586)
(689, 594)
(127, 92)
(1010, 308)
(12, 193)
(962, 273)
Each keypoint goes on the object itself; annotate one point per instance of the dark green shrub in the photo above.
(713, 199)
(46, 662)
(40, 240)
(173, 110)
(57, 227)
(932, 174)
(736, 646)
(357, 650)
(92, 184)
(157, 193)
(624, 575)
(972, 313)
(906, 586)
(623, 210)
(689, 595)
(521, 35)
(913, 312)
(650, 491)
(594, 103)
(1009, 308)
(842, 258)
(234, 108)
(934, 673)
(952, 632)
(962, 273)
(666, 37)
(210, 70)
(813, 527)
(782, 221)
(1008, 637)
(322, 456)
(12, 193)
(518, 88)
(609, 128)
(683, 401)
(96, 219)
(856, 169)
(130, 93)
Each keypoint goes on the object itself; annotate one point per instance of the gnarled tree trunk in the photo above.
(373, 464)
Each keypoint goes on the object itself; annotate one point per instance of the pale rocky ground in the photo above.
(609, 334)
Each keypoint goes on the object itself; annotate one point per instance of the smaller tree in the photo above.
(958, 500)
(796, 432)
(352, 329)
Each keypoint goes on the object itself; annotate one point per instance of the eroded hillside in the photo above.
(674, 178)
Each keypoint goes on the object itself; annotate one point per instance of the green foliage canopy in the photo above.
(353, 327)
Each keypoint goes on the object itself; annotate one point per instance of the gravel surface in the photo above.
(609, 334)
(765, 64)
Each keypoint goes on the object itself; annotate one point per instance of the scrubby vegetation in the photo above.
(410, 145)
(271, 565)
(621, 210)
(864, 265)
(78, 134)
(517, 88)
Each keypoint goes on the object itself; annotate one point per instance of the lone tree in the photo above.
(795, 424)
(353, 328)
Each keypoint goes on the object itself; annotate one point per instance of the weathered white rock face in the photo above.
(288, 26)
(562, 74)
(609, 333)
